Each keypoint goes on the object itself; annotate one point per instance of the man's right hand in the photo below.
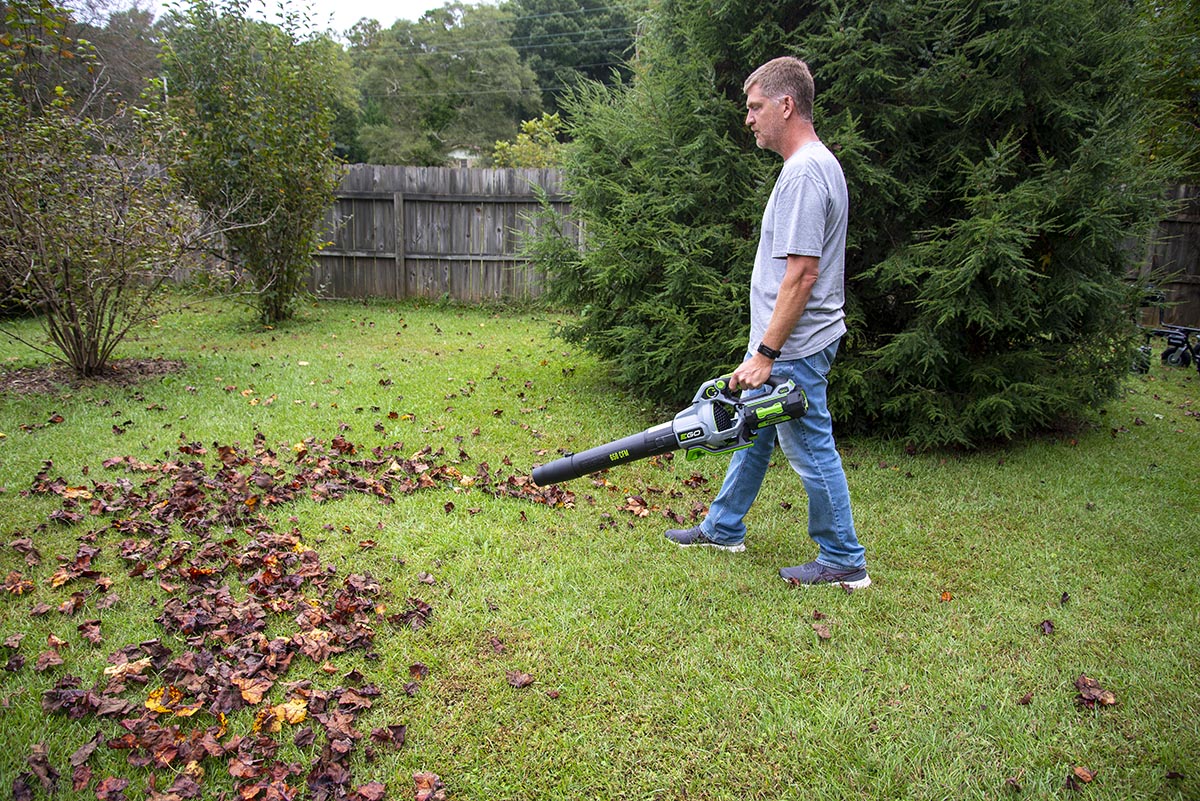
(752, 373)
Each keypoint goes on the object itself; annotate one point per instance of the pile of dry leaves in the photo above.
(197, 526)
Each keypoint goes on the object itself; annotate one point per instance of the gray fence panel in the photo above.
(433, 232)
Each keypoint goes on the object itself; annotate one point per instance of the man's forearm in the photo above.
(794, 292)
(790, 303)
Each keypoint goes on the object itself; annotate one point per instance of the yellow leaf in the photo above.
(294, 711)
(264, 717)
(159, 699)
(61, 577)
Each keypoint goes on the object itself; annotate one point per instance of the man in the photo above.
(796, 323)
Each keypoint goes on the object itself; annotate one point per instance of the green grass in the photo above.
(659, 673)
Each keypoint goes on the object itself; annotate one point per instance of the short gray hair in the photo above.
(786, 75)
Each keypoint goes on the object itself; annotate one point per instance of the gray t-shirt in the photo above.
(806, 216)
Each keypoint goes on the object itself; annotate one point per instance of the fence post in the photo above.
(398, 228)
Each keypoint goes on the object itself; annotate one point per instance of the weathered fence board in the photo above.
(399, 232)
(1175, 252)
(432, 232)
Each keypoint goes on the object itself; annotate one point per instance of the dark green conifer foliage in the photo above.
(996, 156)
(666, 198)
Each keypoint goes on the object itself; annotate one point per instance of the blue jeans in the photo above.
(809, 447)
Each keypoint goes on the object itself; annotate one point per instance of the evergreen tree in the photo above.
(996, 156)
(564, 41)
(665, 200)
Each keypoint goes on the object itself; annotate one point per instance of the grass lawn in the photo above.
(169, 602)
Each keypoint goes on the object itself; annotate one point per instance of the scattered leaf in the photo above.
(1091, 694)
(39, 762)
(112, 789)
(429, 787)
(47, 660)
(371, 791)
(518, 679)
(90, 629)
(392, 736)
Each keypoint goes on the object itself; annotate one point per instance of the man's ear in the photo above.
(789, 106)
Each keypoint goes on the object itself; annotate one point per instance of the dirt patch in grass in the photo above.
(52, 378)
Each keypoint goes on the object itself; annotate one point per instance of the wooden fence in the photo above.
(1175, 251)
(400, 232)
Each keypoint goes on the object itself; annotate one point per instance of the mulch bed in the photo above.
(53, 378)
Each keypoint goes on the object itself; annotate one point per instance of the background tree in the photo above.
(565, 41)
(41, 55)
(665, 199)
(257, 100)
(997, 160)
(537, 145)
(1174, 69)
(447, 81)
(92, 223)
(127, 40)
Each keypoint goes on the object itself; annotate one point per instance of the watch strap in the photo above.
(768, 351)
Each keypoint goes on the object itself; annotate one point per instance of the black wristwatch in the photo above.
(768, 351)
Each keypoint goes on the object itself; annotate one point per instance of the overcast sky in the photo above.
(342, 13)
(347, 12)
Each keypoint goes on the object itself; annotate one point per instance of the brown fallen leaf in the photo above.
(47, 660)
(81, 777)
(518, 679)
(252, 689)
(112, 788)
(39, 763)
(90, 629)
(822, 631)
(429, 787)
(371, 791)
(1092, 694)
(390, 735)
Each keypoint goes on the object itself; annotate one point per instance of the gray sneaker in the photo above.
(689, 537)
(813, 573)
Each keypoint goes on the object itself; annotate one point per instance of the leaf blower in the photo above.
(718, 420)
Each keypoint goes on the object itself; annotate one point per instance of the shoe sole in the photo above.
(857, 584)
(727, 548)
